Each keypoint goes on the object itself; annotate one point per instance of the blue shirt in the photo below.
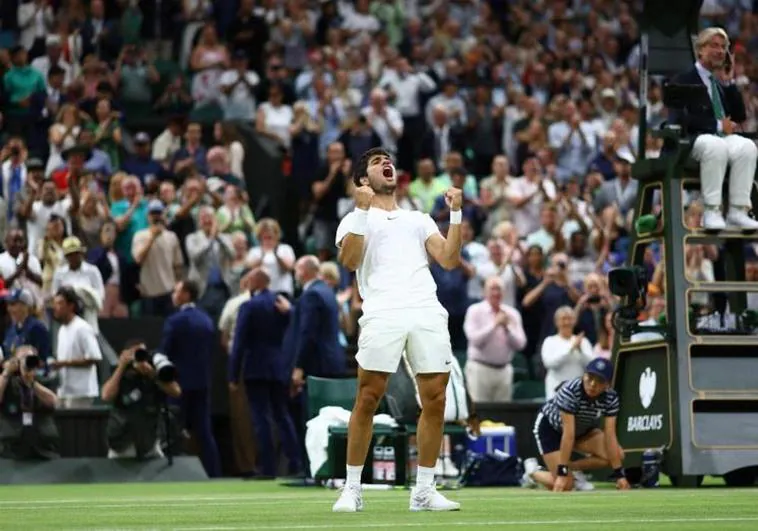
(145, 169)
(31, 332)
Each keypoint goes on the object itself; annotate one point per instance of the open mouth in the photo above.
(388, 172)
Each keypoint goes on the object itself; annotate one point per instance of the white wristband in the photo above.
(456, 217)
(360, 222)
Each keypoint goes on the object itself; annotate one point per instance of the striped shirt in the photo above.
(572, 399)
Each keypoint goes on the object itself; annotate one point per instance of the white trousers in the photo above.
(487, 384)
(715, 153)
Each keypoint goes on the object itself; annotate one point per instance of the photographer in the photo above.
(27, 428)
(136, 391)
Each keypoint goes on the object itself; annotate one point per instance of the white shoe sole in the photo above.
(434, 509)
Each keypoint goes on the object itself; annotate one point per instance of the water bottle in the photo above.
(378, 475)
(651, 468)
(389, 464)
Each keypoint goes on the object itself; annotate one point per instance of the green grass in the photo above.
(236, 505)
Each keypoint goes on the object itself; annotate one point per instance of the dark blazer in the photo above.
(315, 332)
(700, 118)
(189, 340)
(109, 44)
(257, 352)
(98, 257)
(456, 142)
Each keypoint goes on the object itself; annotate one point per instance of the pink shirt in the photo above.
(488, 342)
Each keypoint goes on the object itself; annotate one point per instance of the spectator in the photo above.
(235, 214)
(142, 165)
(54, 58)
(112, 266)
(14, 172)
(274, 117)
(209, 60)
(83, 278)
(77, 353)
(157, 251)
(25, 328)
(494, 333)
(277, 259)
(35, 18)
(130, 215)
(564, 354)
(63, 134)
(193, 155)
(18, 267)
(238, 86)
(227, 135)
(210, 253)
(328, 188)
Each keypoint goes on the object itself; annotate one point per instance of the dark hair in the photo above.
(55, 217)
(361, 170)
(55, 70)
(69, 295)
(192, 289)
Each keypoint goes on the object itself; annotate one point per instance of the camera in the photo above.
(15, 151)
(628, 282)
(164, 369)
(594, 299)
(32, 362)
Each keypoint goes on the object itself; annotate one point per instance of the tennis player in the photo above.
(390, 249)
(570, 422)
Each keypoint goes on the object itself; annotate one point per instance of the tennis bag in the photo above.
(491, 470)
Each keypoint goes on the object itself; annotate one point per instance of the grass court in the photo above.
(238, 505)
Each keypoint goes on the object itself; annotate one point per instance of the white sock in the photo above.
(424, 476)
(354, 475)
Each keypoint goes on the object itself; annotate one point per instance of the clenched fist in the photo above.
(454, 199)
(363, 196)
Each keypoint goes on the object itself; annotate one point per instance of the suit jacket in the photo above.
(314, 333)
(700, 117)
(198, 246)
(257, 352)
(456, 142)
(189, 340)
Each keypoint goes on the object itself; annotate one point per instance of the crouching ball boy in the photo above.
(389, 249)
(570, 422)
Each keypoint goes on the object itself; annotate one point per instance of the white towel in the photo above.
(317, 432)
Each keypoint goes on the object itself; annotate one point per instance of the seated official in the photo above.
(714, 125)
(570, 422)
(136, 391)
(27, 427)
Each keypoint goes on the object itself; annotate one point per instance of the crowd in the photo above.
(530, 107)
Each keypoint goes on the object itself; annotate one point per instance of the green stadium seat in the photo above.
(324, 392)
(529, 390)
(520, 367)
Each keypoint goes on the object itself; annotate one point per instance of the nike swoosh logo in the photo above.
(448, 362)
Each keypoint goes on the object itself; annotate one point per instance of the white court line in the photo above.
(474, 523)
(326, 494)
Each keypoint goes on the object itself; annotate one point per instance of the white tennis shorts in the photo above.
(422, 333)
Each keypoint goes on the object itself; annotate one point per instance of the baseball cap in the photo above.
(71, 245)
(21, 295)
(625, 154)
(35, 164)
(141, 138)
(155, 206)
(600, 367)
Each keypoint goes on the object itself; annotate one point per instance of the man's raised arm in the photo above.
(354, 225)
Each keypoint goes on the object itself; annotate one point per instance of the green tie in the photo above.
(718, 108)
